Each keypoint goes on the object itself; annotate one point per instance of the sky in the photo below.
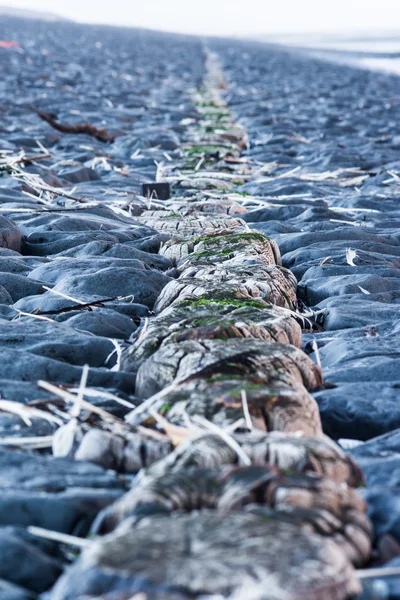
(230, 17)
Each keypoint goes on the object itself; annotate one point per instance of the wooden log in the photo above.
(233, 555)
(222, 246)
(260, 283)
(212, 320)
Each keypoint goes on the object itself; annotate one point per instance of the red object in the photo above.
(8, 44)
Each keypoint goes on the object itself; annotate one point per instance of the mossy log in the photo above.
(213, 321)
(191, 225)
(273, 406)
(269, 284)
(269, 362)
(223, 246)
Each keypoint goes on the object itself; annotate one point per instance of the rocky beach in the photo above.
(199, 315)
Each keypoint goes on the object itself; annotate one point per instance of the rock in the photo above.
(24, 564)
(54, 493)
(20, 365)
(52, 242)
(5, 297)
(359, 410)
(80, 175)
(122, 251)
(55, 341)
(380, 460)
(57, 270)
(71, 511)
(105, 283)
(358, 310)
(8, 591)
(102, 322)
(10, 235)
(19, 286)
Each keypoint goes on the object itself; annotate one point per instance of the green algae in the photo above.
(221, 302)
(210, 253)
(233, 238)
(209, 149)
(173, 216)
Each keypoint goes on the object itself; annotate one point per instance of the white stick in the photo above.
(57, 536)
(246, 412)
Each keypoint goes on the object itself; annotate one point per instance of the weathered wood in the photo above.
(268, 361)
(186, 555)
(192, 225)
(328, 508)
(295, 453)
(269, 284)
(211, 207)
(126, 453)
(222, 246)
(273, 405)
(212, 320)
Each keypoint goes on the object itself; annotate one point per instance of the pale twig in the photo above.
(57, 536)
(143, 330)
(67, 397)
(197, 167)
(317, 355)
(31, 442)
(378, 572)
(176, 433)
(118, 352)
(246, 412)
(350, 255)
(26, 413)
(355, 224)
(150, 402)
(77, 406)
(92, 393)
(228, 439)
(21, 313)
(62, 295)
(152, 433)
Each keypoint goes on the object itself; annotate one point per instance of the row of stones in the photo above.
(223, 354)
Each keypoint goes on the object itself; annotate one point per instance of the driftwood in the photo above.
(210, 376)
(87, 128)
(212, 321)
(189, 226)
(131, 452)
(284, 451)
(273, 406)
(264, 284)
(326, 507)
(126, 454)
(221, 207)
(269, 362)
(186, 555)
(223, 246)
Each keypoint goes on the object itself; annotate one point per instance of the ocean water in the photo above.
(376, 52)
(375, 63)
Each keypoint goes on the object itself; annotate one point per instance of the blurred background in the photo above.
(364, 32)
